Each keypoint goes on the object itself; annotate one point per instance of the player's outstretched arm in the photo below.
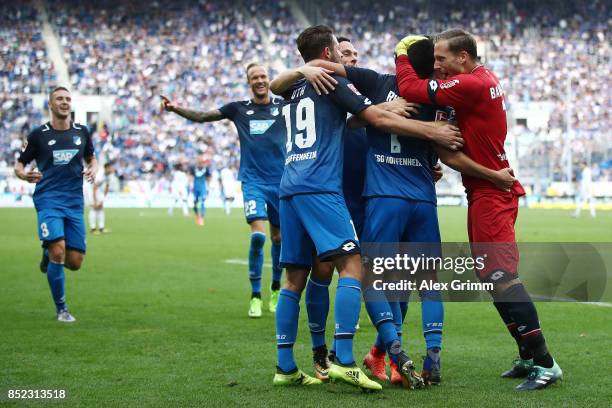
(32, 176)
(319, 78)
(192, 115)
(399, 106)
(447, 136)
(503, 179)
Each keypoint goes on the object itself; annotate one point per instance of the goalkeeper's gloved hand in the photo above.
(405, 43)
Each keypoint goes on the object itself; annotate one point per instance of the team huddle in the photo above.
(343, 155)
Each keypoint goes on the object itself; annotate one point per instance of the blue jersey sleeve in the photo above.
(348, 97)
(364, 79)
(229, 110)
(29, 152)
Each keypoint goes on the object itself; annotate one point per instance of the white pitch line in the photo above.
(565, 299)
(243, 262)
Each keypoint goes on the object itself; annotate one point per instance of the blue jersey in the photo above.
(59, 157)
(396, 166)
(315, 145)
(262, 136)
(200, 174)
(354, 169)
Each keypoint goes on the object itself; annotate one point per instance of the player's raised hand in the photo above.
(504, 179)
(405, 43)
(166, 104)
(319, 78)
(399, 106)
(447, 135)
(437, 172)
(33, 176)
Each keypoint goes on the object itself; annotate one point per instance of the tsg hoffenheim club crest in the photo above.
(274, 111)
(76, 140)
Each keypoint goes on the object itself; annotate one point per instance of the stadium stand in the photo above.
(550, 59)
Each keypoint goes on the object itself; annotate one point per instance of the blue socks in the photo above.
(203, 207)
(277, 271)
(432, 316)
(55, 276)
(287, 316)
(381, 314)
(256, 261)
(347, 307)
(317, 306)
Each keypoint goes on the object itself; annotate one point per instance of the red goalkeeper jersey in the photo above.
(478, 100)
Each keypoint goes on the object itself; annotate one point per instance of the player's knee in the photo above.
(295, 286)
(74, 260)
(57, 251)
(349, 266)
(295, 280)
(74, 264)
(323, 271)
(275, 234)
(258, 239)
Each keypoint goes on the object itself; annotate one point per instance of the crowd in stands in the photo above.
(195, 53)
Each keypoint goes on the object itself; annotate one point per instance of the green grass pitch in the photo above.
(162, 322)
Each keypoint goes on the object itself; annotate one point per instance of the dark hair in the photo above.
(251, 65)
(108, 164)
(342, 39)
(421, 56)
(57, 88)
(459, 40)
(312, 41)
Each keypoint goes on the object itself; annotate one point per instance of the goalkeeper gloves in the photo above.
(405, 43)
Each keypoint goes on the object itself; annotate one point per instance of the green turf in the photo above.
(162, 322)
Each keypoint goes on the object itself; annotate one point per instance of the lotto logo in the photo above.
(433, 85)
(349, 246)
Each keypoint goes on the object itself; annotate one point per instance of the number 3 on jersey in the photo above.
(304, 121)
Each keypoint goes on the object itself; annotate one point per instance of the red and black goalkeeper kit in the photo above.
(478, 100)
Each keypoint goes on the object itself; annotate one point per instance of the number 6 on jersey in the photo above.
(304, 120)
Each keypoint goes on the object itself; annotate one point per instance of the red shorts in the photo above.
(491, 219)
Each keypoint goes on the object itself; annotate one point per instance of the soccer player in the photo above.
(353, 176)
(201, 177)
(401, 205)
(227, 182)
(585, 192)
(95, 194)
(262, 134)
(478, 99)
(179, 189)
(59, 147)
(314, 216)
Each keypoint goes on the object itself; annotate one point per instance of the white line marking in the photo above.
(243, 262)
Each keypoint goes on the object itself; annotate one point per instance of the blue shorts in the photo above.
(356, 209)
(315, 223)
(66, 223)
(261, 202)
(199, 195)
(393, 219)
